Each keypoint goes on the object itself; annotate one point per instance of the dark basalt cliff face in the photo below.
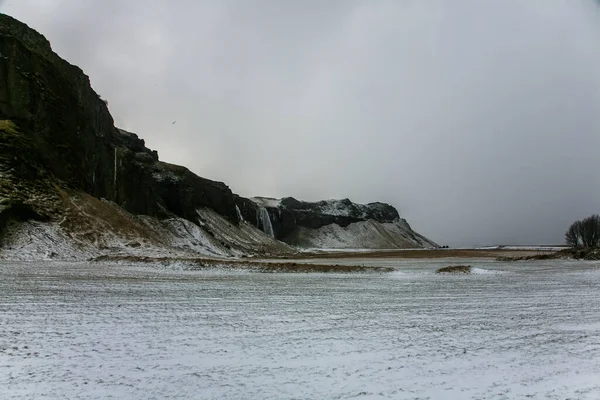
(61, 133)
(288, 214)
(341, 212)
(58, 140)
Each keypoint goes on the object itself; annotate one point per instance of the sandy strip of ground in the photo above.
(428, 253)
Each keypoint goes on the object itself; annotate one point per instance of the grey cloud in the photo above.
(479, 120)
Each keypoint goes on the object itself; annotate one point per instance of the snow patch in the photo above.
(244, 239)
(333, 207)
(346, 208)
(34, 240)
(359, 235)
(93, 228)
(482, 271)
(165, 175)
(266, 202)
(186, 234)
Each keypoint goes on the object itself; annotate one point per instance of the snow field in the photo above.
(89, 330)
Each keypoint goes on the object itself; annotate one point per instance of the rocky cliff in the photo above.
(332, 223)
(67, 174)
(63, 129)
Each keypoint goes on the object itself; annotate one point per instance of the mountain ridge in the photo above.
(68, 174)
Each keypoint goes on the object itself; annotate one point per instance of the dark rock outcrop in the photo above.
(57, 138)
(340, 212)
(64, 132)
(290, 218)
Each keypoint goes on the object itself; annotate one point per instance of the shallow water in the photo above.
(80, 330)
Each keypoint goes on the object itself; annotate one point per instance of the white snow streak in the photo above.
(267, 201)
(359, 235)
(239, 213)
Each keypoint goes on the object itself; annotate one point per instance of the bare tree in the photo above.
(590, 231)
(585, 233)
(572, 235)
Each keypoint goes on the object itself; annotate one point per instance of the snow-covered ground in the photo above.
(359, 235)
(82, 330)
(267, 201)
(136, 235)
(525, 247)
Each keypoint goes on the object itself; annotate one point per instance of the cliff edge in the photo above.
(72, 185)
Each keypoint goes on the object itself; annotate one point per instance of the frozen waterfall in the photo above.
(263, 217)
(239, 213)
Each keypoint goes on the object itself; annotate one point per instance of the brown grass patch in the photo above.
(565, 254)
(89, 218)
(253, 266)
(7, 126)
(426, 253)
(454, 269)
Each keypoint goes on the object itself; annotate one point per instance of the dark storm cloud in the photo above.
(479, 120)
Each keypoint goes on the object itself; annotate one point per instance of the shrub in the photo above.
(454, 269)
(584, 233)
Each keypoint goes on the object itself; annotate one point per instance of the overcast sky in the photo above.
(479, 120)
